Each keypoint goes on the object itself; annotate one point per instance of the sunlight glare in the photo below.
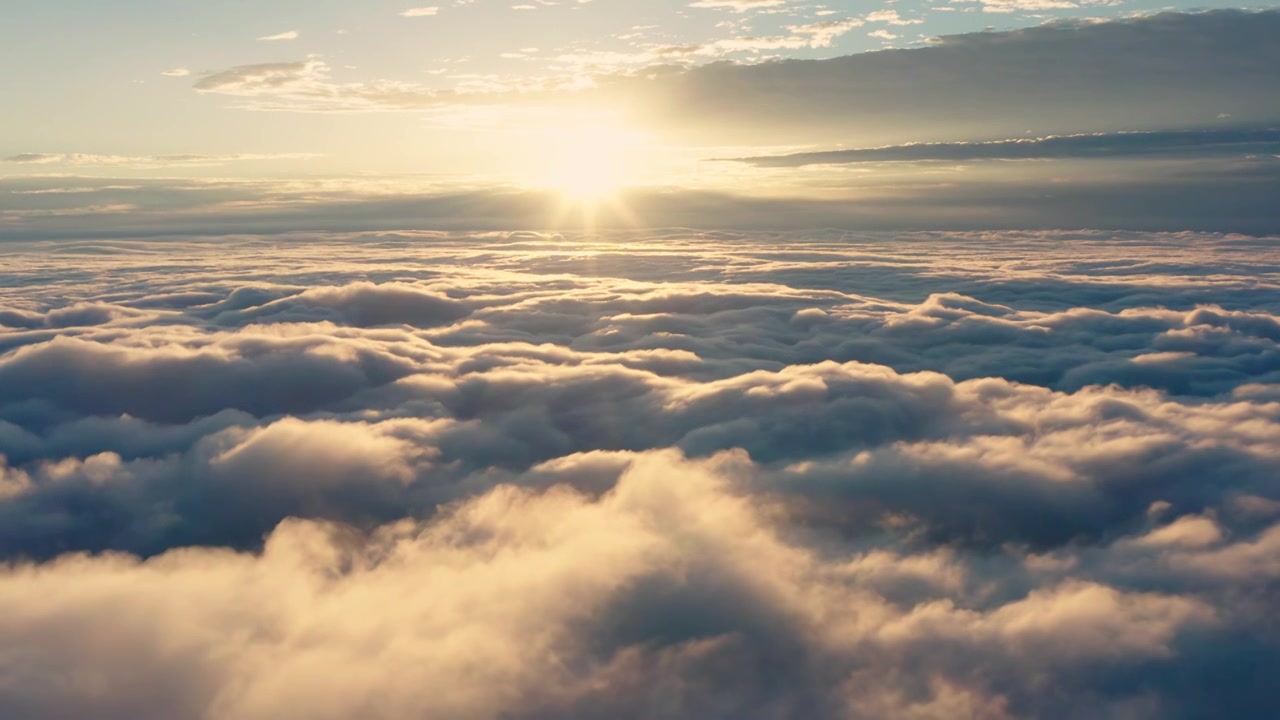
(591, 163)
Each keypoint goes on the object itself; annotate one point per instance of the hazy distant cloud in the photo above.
(1239, 142)
(261, 77)
(34, 158)
(148, 161)
(421, 12)
(1201, 190)
(288, 35)
(307, 85)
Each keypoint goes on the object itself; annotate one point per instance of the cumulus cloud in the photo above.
(640, 474)
(672, 590)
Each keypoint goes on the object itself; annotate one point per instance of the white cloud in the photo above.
(903, 474)
(738, 5)
(891, 17)
(148, 161)
(1008, 6)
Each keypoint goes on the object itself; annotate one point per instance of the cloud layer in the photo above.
(391, 475)
(1168, 144)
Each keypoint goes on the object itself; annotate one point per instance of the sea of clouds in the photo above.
(645, 475)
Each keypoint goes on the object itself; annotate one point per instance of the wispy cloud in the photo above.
(1175, 143)
(288, 35)
(147, 161)
(738, 5)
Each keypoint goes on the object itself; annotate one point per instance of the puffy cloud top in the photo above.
(1010, 475)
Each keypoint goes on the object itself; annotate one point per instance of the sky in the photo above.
(498, 92)
(661, 360)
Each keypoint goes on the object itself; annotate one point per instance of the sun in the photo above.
(588, 166)
(590, 173)
(590, 163)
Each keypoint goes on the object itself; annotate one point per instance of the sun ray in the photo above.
(588, 167)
